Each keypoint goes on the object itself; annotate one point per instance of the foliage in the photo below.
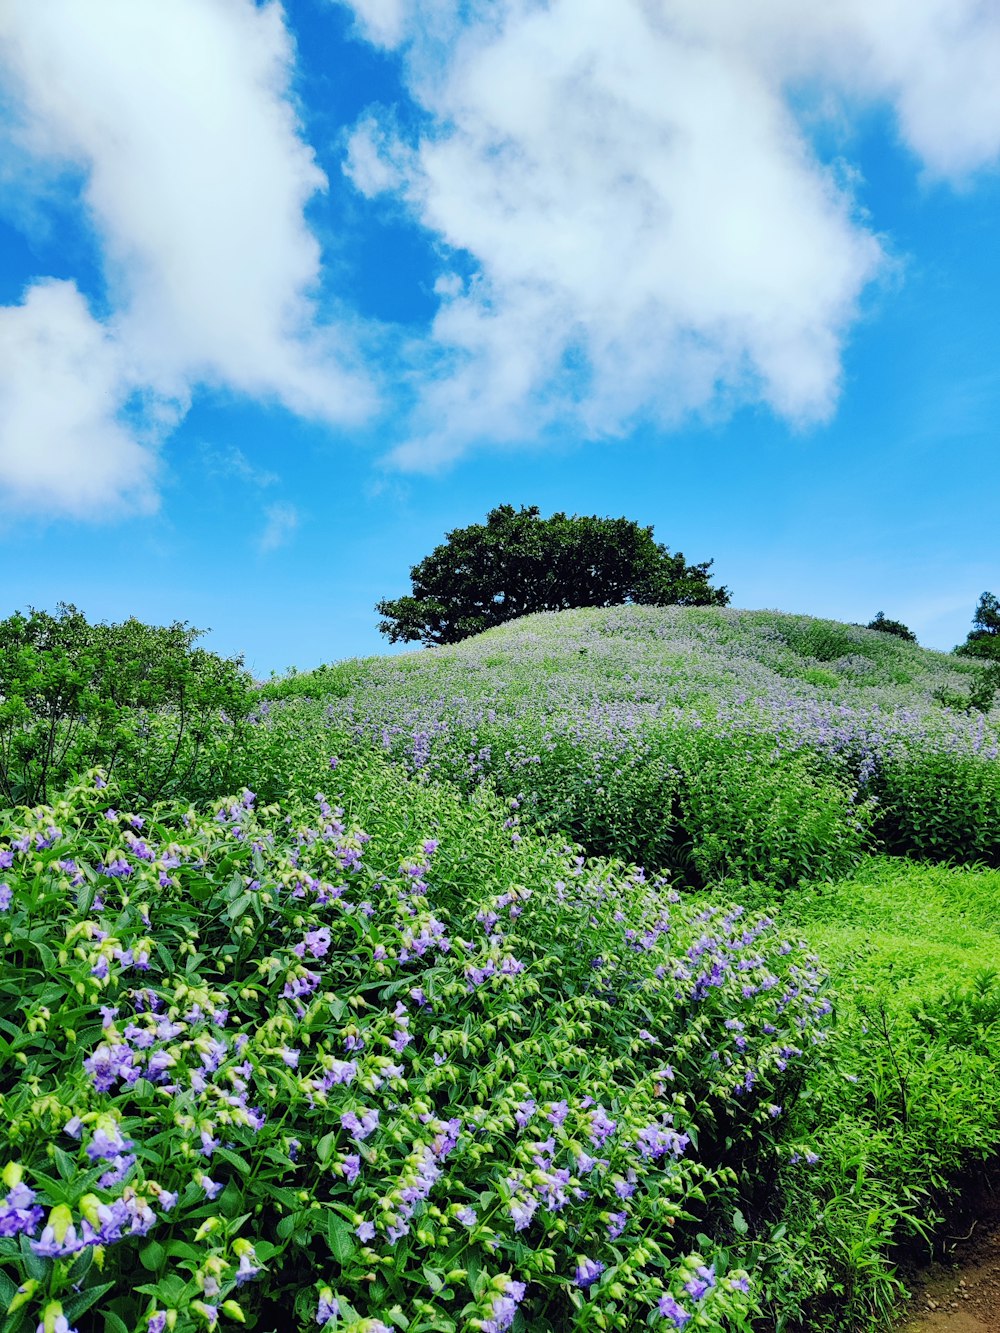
(906, 1103)
(983, 639)
(410, 947)
(140, 700)
(262, 1061)
(750, 746)
(518, 563)
(896, 627)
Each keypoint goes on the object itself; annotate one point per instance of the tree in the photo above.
(983, 639)
(140, 701)
(885, 626)
(517, 563)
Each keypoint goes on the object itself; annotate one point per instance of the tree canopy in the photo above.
(984, 638)
(886, 626)
(517, 563)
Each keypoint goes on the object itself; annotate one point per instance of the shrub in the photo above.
(885, 626)
(139, 700)
(259, 1062)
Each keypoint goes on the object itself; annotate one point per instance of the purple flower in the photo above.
(524, 1111)
(587, 1272)
(617, 1223)
(108, 1064)
(328, 1307)
(107, 1146)
(522, 1210)
(669, 1309)
(702, 1282)
(6, 897)
(50, 1248)
(249, 1268)
(18, 1212)
(157, 1322)
(6, 858)
(504, 1308)
(212, 1188)
(656, 1141)
(59, 1325)
(601, 1126)
(366, 1231)
(359, 1128)
(625, 1188)
(350, 1167)
(316, 941)
(120, 1168)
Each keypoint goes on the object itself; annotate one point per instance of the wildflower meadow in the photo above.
(609, 970)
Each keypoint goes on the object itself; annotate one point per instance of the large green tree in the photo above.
(984, 638)
(518, 562)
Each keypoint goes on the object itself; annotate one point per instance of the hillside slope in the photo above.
(656, 733)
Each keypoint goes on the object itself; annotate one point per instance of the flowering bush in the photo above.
(449, 1077)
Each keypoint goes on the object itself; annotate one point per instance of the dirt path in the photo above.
(961, 1295)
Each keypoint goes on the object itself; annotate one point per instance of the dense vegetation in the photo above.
(139, 700)
(394, 1034)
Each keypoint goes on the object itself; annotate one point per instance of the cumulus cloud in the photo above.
(650, 228)
(195, 177)
(282, 522)
(64, 386)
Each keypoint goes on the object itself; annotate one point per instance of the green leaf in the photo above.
(8, 1289)
(65, 1165)
(75, 1307)
(81, 1266)
(34, 1265)
(340, 1238)
(227, 1156)
(151, 1256)
(114, 1323)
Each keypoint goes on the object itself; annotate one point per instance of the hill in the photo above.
(717, 743)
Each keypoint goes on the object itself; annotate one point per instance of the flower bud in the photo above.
(23, 1295)
(13, 1174)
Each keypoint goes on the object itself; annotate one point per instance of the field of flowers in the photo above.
(719, 744)
(400, 1036)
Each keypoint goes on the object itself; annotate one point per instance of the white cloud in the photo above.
(196, 175)
(282, 522)
(63, 388)
(652, 229)
(231, 461)
(381, 21)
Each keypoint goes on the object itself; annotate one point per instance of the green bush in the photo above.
(940, 806)
(140, 700)
(424, 1070)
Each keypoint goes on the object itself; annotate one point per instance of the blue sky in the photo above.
(287, 292)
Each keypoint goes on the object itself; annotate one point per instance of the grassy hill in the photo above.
(612, 969)
(721, 744)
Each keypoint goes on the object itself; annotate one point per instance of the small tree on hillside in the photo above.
(517, 563)
(896, 627)
(984, 638)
